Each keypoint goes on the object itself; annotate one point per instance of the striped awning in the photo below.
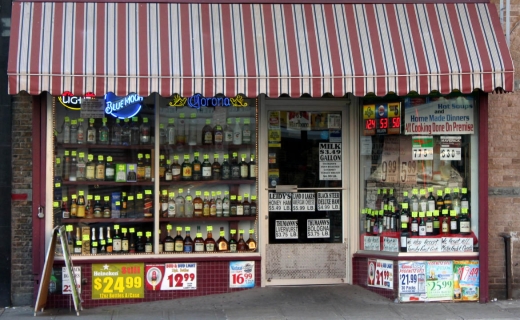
(251, 49)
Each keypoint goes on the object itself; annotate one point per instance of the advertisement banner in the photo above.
(380, 273)
(330, 161)
(242, 274)
(412, 281)
(118, 281)
(171, 276)
(467, 272)
(439, 283)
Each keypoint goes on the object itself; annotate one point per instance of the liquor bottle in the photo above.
(147, 167)
(192, 130)
(98, 210)
(385, 199)
(77, 243)
(135, 132)
(110, 244)
(93, 242)
(70, 241)
(169, 243)
(252, 168)
(65, 212)
(145, 132)
(386, 217)
(368, 217)
(181, 130)
(379, 200)
(163, 167)
(148, 246)
(222, 243)
(116, 241)
(454, 222)
(126, 133)
(213, 205)
(251, 242)
(139, 245)
(170, 132)
(205, 205)
(171, 205)
(100, 168)
(163, 200)
(240, 206)
(464, 222)
(73, 166)
(429, 223)
(455, 201)
(81, 167)
(102, 242)
(198, 242)
(66, 165)
(226, 168)
(168, 176)
(381, 228)
(161, 244)
(209, 243)
(187, 169)
(110, 170)
(414, 201)
(404, 237)
(178, 241)
(244, 168)
(448, 204)
(423, 201)
(233, 206)
(140, 167)
(405, 198)
(436, 223)
(405, 213)
(247, 205)
(232, 241)
(246, 132)
(197, 168)
(188, 242)
(228, 133)
(80, 135)
(218, 135)
(392, 200)
(226, 204)
(254, 209)
(394, 221)
(73, 207)
(422, 224)
(197, 204)
(439, 203)
(464, 199)
(117, 132)
(163, 139)
(106, 208)
(176, 169)
(235, 167)
(104, 132)
(445, 227)
(374, 222)
(148, 204)
(207, 133)
(91, 132)
(215, 168)
(81, 204)
(180, 205)
(188, 205)
(241, 245)
(237, 132)
(431, 200)
(415, 224)
(58, 169)
(206, 168)
(66, 130)
(89, 207)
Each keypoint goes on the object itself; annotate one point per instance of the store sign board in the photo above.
(118, 281)
(318, 228)
(286, 229)
(303, 202)
(469, 278)
(280, 201)
(412, 281)
(329, 201)
(382, 118)
(66, 282)
(171, 276)
(439, 116)
(123, 107)
(423, 245)
(422, 148)
(380, 273)
(371, 243)
(455, 244)
(330, 161)
(242, 274)
(439, 280)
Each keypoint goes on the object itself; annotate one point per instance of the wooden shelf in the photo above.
(203, 219)
(104, 146)
(197, 183)
(106, 220)
(107, 183)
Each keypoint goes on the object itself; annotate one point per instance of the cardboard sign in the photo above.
(304, 202)
(329, 201)
(286, 229)
(390, 244)
(371, 243)
(318, 228)
(452, 244)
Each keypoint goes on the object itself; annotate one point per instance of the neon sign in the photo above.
(122, 107)
(197, 101)
(70, 101)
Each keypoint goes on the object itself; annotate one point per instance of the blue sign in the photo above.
(198, 101)
(122, 107)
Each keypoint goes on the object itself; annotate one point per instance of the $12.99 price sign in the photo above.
(171, 276)
(242, 274)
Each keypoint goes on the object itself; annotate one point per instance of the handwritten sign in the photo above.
(329, 201)
(452, 244)
(280, 201)
(412, 281)
(318, 228)
(372, 243)
(286, 229)
(330, 161)
(422, 245)
(380, 273)
(390, 244)
(303, 201)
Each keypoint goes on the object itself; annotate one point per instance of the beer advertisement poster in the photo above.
(468, 273)
(412, 281)
(439, 280)
(118, 281)
(380, 273)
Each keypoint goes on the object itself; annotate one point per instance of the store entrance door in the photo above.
(305, 148)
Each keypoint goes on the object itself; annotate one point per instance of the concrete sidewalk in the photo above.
(309, 302)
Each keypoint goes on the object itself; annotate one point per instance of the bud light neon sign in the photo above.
(70, 101)
(122, 107)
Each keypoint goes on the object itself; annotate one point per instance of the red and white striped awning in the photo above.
(251, 49)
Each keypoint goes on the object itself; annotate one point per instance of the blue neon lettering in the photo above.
(116, 105)
(198, 101)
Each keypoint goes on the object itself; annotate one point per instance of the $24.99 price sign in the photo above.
(242, 274)
(118, 281)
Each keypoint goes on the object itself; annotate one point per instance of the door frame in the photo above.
(350, 195)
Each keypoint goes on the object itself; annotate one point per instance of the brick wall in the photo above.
(21, 223)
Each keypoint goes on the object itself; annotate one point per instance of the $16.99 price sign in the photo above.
(242, 274)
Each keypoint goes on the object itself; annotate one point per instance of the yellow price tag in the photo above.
(132, 230)
(56, 204)
(148, 233)
(169, 227)
(139, 196)
(106, 198)
(97, 198)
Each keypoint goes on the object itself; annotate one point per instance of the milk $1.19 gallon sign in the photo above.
(330, 161)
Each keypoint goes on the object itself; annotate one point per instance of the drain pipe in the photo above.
(509, 268)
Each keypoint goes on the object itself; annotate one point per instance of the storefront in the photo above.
(326, 119)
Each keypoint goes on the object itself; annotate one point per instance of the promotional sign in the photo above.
(171, 276)
(451, 148)
(280, 201)
(371, 243)
(390, 160)
(318, 228)
(123, 107)
(72, 102)
(412, 281)
(154, 274)
(382, 118)
(380, 273)
(303, 202)
(334, 121)
(422, 148)
(242, 274)
(330, 161)
(468, 272)
(298, 120)
(439, 116)
(455, 244)
(286, 229)
(390, 244)
(408, 166)
(118, 281)
(329, 201)
(439, 281)
(423, 245)
(66, 283)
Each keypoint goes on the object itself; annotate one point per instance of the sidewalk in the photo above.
(309, 302)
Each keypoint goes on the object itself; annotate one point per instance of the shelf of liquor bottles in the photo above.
(207, 182)
(106, 183)
(148, 220)
(104, 146)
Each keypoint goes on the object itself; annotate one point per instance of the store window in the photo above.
(418, 174)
